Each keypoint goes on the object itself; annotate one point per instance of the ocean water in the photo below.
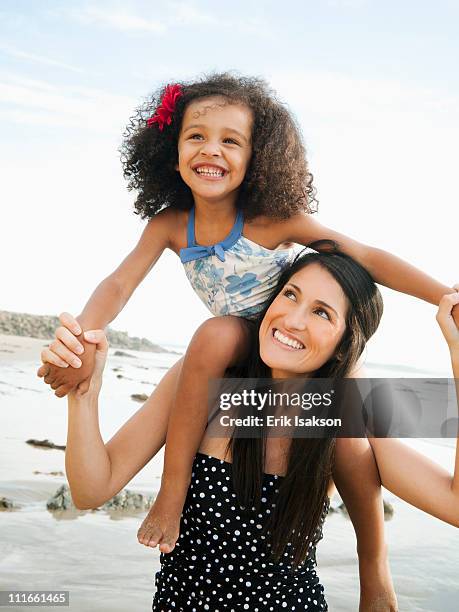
(92, 554)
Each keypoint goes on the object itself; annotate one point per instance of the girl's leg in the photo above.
(218, 344)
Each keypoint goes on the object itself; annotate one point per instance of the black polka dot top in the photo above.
(222, 559)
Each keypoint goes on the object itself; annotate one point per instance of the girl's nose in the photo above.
(211, 149)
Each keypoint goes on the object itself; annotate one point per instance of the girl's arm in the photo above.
(103, 306)
(385, 268)
(120, 285)
(409, 474)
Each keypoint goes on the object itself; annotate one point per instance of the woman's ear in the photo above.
(177, 166)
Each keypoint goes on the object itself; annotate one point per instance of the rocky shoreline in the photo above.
(43, 326)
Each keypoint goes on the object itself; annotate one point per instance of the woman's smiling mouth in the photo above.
(286, 341)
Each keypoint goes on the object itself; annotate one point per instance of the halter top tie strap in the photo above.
(197, 251)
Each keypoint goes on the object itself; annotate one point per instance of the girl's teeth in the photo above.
(207, 172)
(288, 341)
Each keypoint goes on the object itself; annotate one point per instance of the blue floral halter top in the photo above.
(235, 276)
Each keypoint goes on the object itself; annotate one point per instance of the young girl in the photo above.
(221, 174)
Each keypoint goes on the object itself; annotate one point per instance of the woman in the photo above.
(250, 528)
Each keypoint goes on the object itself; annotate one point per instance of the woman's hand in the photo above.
(68, 349)
(446, 322)
(97, 338)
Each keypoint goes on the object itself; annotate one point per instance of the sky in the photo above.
(374, 87)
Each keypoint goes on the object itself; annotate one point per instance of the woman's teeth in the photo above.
(288, 341)
(204, 170)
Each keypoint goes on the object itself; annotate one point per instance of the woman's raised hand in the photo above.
(68, 349)
(446, 322)
(98, 340)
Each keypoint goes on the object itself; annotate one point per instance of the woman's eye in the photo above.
(324, 313)
(289, 294)
(193, 136)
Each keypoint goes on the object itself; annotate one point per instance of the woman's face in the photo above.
(304, 325)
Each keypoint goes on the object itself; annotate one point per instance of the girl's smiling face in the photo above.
(214, 147)
(304, 325)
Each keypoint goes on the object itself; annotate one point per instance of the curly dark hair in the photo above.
(277, 182)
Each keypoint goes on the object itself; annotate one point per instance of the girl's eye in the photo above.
(231, 140)
(324, 312)
(289, 294)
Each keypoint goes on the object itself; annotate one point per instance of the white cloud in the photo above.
(117, 19)
(171, 15)
(347, 4)
(38, 102)
(346, 97)
(187, 14)
(39, 59)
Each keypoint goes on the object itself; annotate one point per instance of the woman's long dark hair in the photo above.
(303, 491)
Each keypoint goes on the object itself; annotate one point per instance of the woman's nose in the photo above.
(296, 320)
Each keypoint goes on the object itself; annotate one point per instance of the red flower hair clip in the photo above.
(164, 112)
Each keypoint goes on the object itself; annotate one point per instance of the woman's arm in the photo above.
(97, 471)
(409, 474)
(357, 480)
(385, 268)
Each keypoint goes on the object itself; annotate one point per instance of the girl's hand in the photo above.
(446, 322)
(65, 349)
(69, 348)
(97, 338)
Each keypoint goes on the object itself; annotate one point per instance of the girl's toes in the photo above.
(154, 536)
(168, 543)
(166, 547)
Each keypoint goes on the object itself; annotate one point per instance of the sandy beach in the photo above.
(95, 555)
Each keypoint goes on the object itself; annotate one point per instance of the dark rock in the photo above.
(388, 510)
(43, 326)
(139, 397)
(44, 444)
(7, 504)
(342, 508)
(61, 500)
(125, 500)
(123, 354)
(58, 473)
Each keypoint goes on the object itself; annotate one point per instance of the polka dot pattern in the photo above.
(222, 558)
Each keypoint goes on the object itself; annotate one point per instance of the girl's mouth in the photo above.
(211, 173)
(286, 342)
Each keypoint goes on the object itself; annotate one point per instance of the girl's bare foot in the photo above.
(162, 523)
